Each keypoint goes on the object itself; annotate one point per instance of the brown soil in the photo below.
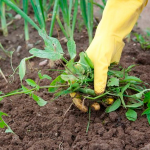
(46, 128)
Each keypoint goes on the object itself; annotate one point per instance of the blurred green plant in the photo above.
(3, 18)
(144, 41)
(86, 7)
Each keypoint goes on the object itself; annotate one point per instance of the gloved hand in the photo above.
(119, 17)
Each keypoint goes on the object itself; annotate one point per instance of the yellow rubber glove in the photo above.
(119, 18)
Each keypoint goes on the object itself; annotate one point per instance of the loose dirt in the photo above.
(46, 128)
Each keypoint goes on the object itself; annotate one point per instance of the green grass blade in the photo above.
(40, 13)
(74, 15)
(90, 20)
(25, 9)
(62, 28)
(3, 18)
(70, 8)
(36, 13)
(55, 9)
(65, 12)
(19, 11)
(84, 12)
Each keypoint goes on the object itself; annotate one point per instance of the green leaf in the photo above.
(68, 77)
(53, 55)
(60, 93)
(51, 43)
(71, 48)
(3, 124)
(22, 69)
(131, 115)
(136, 105)
(31, 82)
(88, 60)
(113, 82)
(148, 118)
(147, 97)
(8, 130)
(131, 79)
(1, 92)
(147, 111)
(25, 90)
(85, 61)
(39, 74)
(45, 76)
(57, 81)
(129, 68)
(39, 100)
(125, 88)
(114, 106)
(138, 95)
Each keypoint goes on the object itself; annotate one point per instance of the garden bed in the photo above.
(46, 128)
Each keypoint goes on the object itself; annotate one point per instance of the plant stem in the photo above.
(93, 98)
(27, 91)
(88, 125)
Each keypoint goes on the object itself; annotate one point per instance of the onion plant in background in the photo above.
(67, 24)
(101, 6)
(26, 30)
(86, 7)
(47, 6)
(3, 18)
(39, 12)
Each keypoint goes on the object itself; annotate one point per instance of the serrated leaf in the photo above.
(147, 97)
(57, 81)
(113, 82)
(39, 100)
(71, 48)
(22, 69)
(31, 82)
(131, 115)
(49, 54)
(114, 106)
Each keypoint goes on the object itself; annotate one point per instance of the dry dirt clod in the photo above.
(29, 46)
(17, 17)
(43, 63)
(19, 49)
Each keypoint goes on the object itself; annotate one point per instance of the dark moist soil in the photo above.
(46, 128)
